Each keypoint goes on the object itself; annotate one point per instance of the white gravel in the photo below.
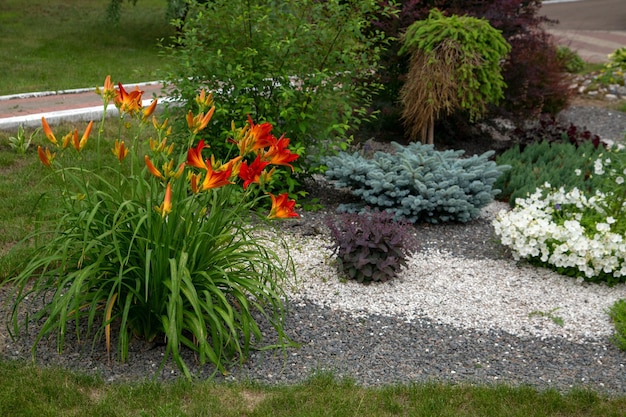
(477, 294)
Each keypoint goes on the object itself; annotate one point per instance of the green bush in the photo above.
(572, 62)
(305, 66)
(614, 71)
(618, 315)
(456, 63)
(369, 245)
(545, 162)
(418, 183)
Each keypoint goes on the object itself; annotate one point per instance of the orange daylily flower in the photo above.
(129, 103)
(161, 127)
(194, 156)
(266, 176)
(67, 139)
(108, 91)
(193, 182)
(254, 137)
(204, 101)
(45, 157)
(166, 206)
(278, 153)
(147, 112)
(282, 207)
(120, 150)
(153, 169)
(47, 131)
(215, 179)
(200, 121)
(168, 169)
(234, 165)
(252, 173)
(79, 145)
(161, 147)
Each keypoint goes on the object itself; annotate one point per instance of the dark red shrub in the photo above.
(536, 78)
(548, 129)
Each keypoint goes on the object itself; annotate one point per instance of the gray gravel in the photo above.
(378, 348)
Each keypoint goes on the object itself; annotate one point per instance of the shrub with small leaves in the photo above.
(370, 246)
(560, 164)
(417, 183)
(572, 62)
(614, 71)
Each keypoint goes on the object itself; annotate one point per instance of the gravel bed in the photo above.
(462, 312)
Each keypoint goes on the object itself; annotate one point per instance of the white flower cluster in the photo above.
(550, 226)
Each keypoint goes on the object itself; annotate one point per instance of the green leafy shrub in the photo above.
(572, 62)
(617, 312)
(456, 63)
(305, 66)
(418, 183)
(369, 245)
(560, 164)
(614, 71)
(155, 244)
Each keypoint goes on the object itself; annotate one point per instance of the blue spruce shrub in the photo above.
(417, 183)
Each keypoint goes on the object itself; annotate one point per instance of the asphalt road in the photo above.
(607, 15)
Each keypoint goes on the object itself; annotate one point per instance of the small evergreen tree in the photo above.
(455, 64)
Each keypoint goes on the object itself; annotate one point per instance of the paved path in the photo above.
(593, 28)
(68, 105)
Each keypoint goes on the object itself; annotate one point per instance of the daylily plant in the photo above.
(163, 248)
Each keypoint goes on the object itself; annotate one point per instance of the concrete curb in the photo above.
(71, 91)
(85, 112)
(53, 118)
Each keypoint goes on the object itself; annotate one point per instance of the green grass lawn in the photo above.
(59, 44)
(29, 391)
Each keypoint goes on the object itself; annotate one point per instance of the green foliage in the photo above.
(471, 51)
(572, 62)
(369, 245)
(20, 142)
(418, 183)
(175, 9)
(614, 71)
(617, 312)
(154, 249)
(305, 66)
(618, 58)
(541, 162)
(548, 314)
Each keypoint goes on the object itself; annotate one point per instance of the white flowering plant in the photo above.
(576, 233)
